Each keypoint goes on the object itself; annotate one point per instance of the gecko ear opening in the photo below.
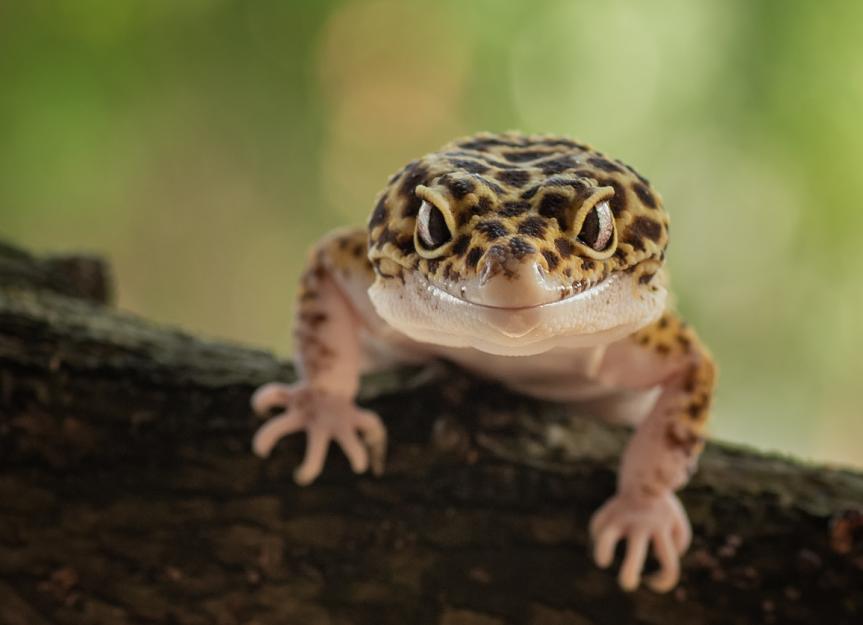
(433, 231)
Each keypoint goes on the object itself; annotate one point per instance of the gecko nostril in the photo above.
(497, 260)
(489, 268)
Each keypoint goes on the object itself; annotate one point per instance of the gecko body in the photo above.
(534, 260)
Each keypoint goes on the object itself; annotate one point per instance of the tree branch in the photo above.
(128, 494)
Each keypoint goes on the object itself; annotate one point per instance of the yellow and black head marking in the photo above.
(583, 214)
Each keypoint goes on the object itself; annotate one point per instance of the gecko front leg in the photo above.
(321, 403)
(661, 455)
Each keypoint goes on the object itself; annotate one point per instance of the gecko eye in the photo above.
(432, 227)
(598, 227)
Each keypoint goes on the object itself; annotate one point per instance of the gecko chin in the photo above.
(586, 316)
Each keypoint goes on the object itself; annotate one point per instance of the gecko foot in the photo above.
(324, 417)
(658, 520)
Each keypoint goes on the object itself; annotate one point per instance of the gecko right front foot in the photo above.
(325, 417)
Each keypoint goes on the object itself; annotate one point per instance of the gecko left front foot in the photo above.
(325, 417)
(660, 520)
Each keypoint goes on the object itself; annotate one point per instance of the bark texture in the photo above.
(128, 494)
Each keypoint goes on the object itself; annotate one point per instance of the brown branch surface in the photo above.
(128, 494)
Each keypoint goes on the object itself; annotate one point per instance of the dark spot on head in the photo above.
(490, 184)
(555, 205)
(484, 143)
(459, 187)
(492, 229)
(358, 250)
(482, 207)
(561, 181)
(387, 236)
(522, 156)
(461, 245)
(513, 177)
(533, 226)
(587, 264)
(663, 322)
(644, 194)
(432, 265)
(605, 165)
(684, 342)
(643, 228)
(447, 271)
(380, 214)
(473, 256)
(473, 167)
(415, 174)
(493, 162)
(663, 349)
(520, 248)
(406, 245)
(514, 208)
(530, 192)
(552, 259)
(556, 165)
(646, 277)
(564, 247)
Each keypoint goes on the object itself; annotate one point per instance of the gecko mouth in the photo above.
(565, 293)
(589, 314)
(517, 321)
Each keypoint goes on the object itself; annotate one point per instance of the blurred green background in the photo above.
(203, 145)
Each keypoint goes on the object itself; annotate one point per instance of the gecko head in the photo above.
(512, 244)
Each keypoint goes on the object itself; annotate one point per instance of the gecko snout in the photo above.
(513, 276)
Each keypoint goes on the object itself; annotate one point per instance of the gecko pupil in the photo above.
(437, 229)
(589, 234)
(597, 229)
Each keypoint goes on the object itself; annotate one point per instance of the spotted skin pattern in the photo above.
(513, 212)
(673, 339)
(517, 192)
